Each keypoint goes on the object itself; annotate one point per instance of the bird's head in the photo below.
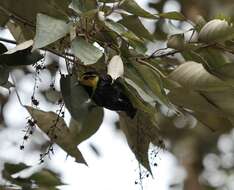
(89, 79)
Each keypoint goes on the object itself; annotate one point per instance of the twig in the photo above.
(16, 91)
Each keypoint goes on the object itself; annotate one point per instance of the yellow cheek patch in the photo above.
(91, 81)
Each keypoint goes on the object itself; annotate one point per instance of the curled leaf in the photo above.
(115, 67)
(216, 31)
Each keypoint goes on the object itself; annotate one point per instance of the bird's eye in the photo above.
(85, 77)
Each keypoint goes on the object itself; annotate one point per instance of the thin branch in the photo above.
(8, 41)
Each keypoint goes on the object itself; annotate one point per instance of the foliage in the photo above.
(198, 84)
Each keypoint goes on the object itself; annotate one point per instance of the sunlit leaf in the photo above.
(49, 30)
(115, 67)
(216, 31)
(86, 52)
(20, 47)
(192, 75)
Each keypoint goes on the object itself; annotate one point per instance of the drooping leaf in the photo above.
(56, 129)
(86, 116)
(115, 67)
(131, 21)
(21, 55)
(81, 6)
(132, 7)
(173, 15)
(75, 97)
(139, 133)
(216, 31)
(153, 81)
(86, 52)
(89, 126)
(49, 30)
(139, 97)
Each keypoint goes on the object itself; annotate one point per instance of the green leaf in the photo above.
(215, 122)
(75, 97)
(14, 168)
(214, 58)
(127, 35)
(86, 116)
(89, 126)
(132, 7)
(139, 132)
(193, 100)
(222, 99)
(216, 31)
(46, 178)
(81, 6)
(173, 15)
(20, 55)
(49, 30)
(153, 82)
(86, 52)
(139, 98)
(64, 138)
(131, 21)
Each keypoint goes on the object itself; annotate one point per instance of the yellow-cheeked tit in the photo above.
(106, 92)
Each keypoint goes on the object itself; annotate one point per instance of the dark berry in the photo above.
(21, 147)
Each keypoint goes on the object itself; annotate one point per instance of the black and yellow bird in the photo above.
(106, 92)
